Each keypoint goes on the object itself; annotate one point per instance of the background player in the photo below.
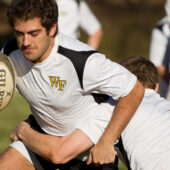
(47, 79)
(160, 49)
(76, 14)
(146, 138)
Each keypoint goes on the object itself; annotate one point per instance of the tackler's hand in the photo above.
(102, 153)
(19, 130)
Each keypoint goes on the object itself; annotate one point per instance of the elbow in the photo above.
(58, 157)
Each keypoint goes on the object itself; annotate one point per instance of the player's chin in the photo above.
(30, 56)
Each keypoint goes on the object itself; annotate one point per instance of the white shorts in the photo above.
(20, 147)
(38, 162)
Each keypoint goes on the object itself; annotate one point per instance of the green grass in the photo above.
(15, 112)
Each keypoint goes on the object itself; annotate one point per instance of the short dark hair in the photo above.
(46, 10)
(144, 69)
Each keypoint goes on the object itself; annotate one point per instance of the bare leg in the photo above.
(11, 159)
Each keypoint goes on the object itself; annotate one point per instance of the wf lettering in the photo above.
(55, 81)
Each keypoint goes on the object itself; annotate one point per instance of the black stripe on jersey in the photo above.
(78, 2)
(10, 46)
(159, 27)
(78, 58)
(161, 24)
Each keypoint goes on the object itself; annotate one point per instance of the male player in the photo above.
(160, 49)
(75, 15)
(59, 95)
(146, 138)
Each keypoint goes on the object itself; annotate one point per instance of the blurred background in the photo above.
(127, 26)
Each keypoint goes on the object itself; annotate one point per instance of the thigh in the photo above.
(35, 160)
(11, 159)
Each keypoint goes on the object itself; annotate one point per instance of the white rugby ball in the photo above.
(7, 81)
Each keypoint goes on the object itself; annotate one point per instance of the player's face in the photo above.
(33, 40)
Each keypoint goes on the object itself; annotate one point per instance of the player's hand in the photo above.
(101, 153)
(15, 135)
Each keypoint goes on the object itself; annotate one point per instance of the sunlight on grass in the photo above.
(122, 166)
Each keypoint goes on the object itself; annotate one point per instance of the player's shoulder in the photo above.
(151, 99)
(161, 24)
(162, 21)
(75, 49)
(71, 43)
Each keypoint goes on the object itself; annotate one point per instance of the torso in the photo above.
(146, 137)
(53, 90)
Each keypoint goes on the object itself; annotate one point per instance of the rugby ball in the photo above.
(7, 80)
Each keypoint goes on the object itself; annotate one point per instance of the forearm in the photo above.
(94, 40)
(55, 149)
(123, 112)
(41, 144)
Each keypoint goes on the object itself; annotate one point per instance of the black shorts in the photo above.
(75, 164)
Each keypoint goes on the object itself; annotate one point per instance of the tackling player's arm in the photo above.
(103, 152)
(58, 150)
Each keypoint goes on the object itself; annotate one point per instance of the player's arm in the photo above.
(158, 50)
(58, 150)
(94, 39)
(91, 25)
(111, 78)
(103, 151)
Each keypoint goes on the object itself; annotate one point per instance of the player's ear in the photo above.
(156, 87)
(53, 30)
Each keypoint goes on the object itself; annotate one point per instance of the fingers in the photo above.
(100, 161)
(15, 134)
(101, 155)
(13, 137)
(89, 159)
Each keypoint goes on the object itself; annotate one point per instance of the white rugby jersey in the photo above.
(74, 15)
(146, 138)
(53, 90)
(160, 49)
(159, 42)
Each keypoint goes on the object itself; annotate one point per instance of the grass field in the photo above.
(16, 111)
(127, 31)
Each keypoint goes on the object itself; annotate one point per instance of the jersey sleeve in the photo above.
(103, 76)
(88, 21)
(158, 46)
